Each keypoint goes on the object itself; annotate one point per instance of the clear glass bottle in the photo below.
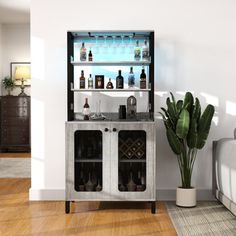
(143, 80)
(90, 82)
(82, 80)
(83, 55)
(119, 81)
(86, 110)
(137, 52)
(131, 78)
(145, 51)
(109, 84)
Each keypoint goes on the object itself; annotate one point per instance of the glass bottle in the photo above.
(137, 52)
(131, 78)
(82, 80)
(83, 54)
(90, 82)
(143, 80)
(145, 51)
(109, 84)
(86, 110)
(119, 81)
(90, 55)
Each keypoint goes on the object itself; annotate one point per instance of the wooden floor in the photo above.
(18, 216)
(15, 155)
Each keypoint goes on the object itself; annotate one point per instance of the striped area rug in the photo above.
(208, 218)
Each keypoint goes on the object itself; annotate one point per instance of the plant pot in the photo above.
(186, 197)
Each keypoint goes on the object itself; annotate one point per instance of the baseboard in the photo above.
(170, 195)
(162, 194)
(46, 194)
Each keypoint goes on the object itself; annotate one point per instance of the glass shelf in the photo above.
(110, 63)
(88, 160)
(111, 90)
(133, 160)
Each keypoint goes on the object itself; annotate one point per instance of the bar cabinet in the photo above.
(110, 159)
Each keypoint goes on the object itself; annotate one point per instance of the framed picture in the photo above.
(99, 81)
(18, 70)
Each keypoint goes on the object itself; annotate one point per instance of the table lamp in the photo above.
(22, 73)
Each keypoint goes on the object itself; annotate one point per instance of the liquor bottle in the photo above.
(137, 52)
(131, 78)
(82, 80)
(86, 110)
(119, 81)
(109, 84)
(145, 51)
(90, 82)
(83, 54)
(90, 55)
(143, 80)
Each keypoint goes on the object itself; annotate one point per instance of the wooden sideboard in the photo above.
(15, 124)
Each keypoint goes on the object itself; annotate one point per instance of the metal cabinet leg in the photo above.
(67, 207)
(153, 207)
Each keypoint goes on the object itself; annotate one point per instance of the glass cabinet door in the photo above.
(132, 161)
(88, 160)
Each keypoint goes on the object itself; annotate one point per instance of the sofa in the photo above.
(224, 172)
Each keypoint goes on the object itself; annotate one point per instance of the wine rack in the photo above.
(110, 159)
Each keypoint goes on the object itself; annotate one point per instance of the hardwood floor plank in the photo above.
(15, 155)
(18, 216)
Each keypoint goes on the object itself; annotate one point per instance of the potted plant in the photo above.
(187, 131)
(8, 84)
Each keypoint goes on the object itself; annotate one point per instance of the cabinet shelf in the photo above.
(134, 160)
(110, 90)
(110, 63)
(88, 160)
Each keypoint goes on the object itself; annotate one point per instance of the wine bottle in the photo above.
(81, 180)
(83, 52)
(90, 55)
(137, 52)
(86, 110)
(131, 78)
(109, 84)
(82, 80)
(90, 82)
(145, 51)
(119, 81)
(143, 80)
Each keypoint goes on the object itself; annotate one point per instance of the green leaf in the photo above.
(188, 101)
(192, 134)
(179, 105)
(174, 142)
(182, 126)
(196, 110)
(204, 126)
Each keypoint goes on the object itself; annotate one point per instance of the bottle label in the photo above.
(131, 81)
(82, 83)
(142, 84)
(137, 54)
(145, 54)
(90, 84)
(83, 54)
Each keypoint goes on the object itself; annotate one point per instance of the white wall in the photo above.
(195, 50)
(15, 48)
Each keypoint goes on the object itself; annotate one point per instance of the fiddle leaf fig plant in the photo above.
(8, 84)
(187, 131)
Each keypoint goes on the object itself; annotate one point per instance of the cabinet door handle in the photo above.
(114, 129)
(106, 129)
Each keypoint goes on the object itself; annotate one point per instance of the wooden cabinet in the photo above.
(15, 124)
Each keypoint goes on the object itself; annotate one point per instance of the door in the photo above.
(133, 161)
(88, 163)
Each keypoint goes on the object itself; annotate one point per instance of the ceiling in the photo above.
(14, 11)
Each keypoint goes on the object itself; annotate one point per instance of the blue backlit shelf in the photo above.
(111, 63)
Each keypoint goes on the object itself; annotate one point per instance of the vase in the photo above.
(186, 197)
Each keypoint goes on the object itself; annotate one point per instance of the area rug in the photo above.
(208, 218)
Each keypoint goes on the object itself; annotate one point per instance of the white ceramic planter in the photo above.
(186, 197)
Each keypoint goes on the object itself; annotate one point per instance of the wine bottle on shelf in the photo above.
(81, 180)
(137, 52)
(131, 78)
(99, 186)
(83, 54)
(86, 110)
(145, 51)
(139, 184)
(82, 80)
(119, 81)
(109, 84)
(90, 82)
(131, 185)
(90, 55)
(89, 186)
(143, 80)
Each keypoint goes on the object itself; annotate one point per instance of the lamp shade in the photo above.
(22, 72)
